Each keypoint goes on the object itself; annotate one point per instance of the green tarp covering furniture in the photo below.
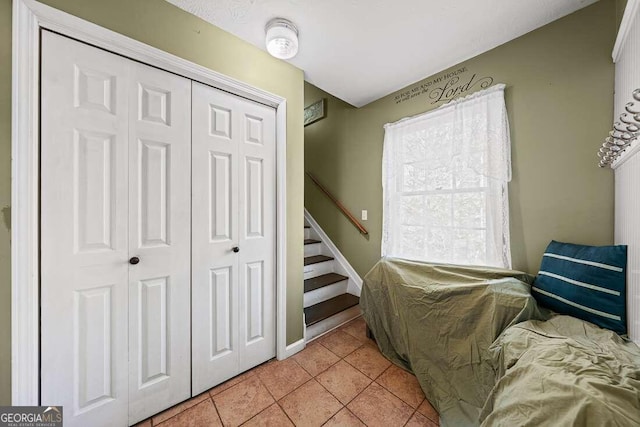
(484, 352)
(438, 321)
(564, 372)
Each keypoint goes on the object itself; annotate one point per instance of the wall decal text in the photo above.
(446, 87)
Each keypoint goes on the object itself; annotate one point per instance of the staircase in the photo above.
(329, 291)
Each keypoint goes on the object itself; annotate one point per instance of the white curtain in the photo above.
(444, 177)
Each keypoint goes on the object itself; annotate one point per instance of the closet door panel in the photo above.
(257, 233)
(84, 207)
(233, 235)
(214, 235)
(159, 236)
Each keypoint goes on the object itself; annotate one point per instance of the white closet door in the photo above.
(233, 206)
(257, 233)
(159, 237)
(116, 154)
(214, 234)
(84, 244)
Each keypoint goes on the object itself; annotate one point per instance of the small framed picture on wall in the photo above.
(314, 112)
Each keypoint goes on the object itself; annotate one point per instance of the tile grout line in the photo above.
(267, 388)
(364, 373)
(356, 337)
(396, 396)
(324, 370)
(337, 355)
(344, 406)
(226, 389)
(354, 398)
(276, 400)
(372, 380)
(233, 386)
(332, 416)
(356, 415)
(343, 358)
(313, 378)
(153, 424)
(215, 406)
(393, 393)
(285, 412)
(411, 416)
(254, 416)
(211, 397)
(399, 397)
(331, 394)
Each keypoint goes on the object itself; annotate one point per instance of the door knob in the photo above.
(235, 249)
(134, 260)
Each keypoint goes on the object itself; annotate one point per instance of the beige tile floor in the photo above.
(340, 379)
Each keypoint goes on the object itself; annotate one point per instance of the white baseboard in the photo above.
(331, 323)
(294, 348)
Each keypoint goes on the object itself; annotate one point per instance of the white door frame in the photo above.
(29, 17)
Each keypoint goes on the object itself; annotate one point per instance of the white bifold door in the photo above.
(115, 235)
(233, 234)
(158, 235)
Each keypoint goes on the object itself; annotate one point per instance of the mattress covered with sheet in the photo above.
(564, 372)
(440, 320)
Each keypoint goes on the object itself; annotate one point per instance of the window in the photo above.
(445, 176)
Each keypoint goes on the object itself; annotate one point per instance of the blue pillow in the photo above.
(587, 282)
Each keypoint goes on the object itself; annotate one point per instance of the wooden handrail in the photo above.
(340, 206)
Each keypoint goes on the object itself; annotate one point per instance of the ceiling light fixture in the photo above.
(282, 38)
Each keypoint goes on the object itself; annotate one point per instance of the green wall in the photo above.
(166, 27)
(560, 103)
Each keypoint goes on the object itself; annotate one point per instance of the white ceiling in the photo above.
(362, 50)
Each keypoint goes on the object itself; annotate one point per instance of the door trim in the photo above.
(29, 17)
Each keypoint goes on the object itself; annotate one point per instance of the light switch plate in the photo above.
(364, 215)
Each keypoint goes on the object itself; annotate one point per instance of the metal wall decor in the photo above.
(624, 132)
(314, 112)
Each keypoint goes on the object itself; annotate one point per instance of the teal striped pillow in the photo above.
(587, 282)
